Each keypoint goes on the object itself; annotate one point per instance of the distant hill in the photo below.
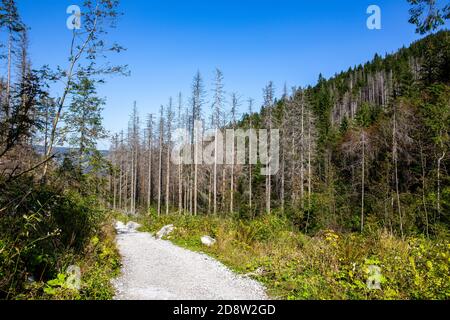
(61, 151)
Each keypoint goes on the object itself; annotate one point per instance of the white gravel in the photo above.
(158, 270)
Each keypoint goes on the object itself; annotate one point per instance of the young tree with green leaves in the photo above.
(83, 119)
(87, 51)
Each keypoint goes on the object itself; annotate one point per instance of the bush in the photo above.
(42, 233)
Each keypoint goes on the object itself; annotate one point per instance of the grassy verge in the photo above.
(326, 266)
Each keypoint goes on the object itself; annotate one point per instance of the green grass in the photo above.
(326, 266)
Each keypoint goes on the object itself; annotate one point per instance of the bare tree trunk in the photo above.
(395, 158)
(215, 171)
(110, 187)
(269, 178)
(191, 193)
(268, 104)
(232, 179)
(114, 189)
(135, 180)
(283, 149)
(224, 172)
(121, 169)
(302, 149)
(120, 185)
(132, 182)
(159, 180)
(150, 160)
(283, 164)
(363, 181)
(186, 196)
(250, 179)
(250, 183)
(216, 121)
(439, 162)
(425, 208)
(149, 179)
(293, 169)
(168, 179)
(169, 138)
(180, 187)
(309, 171)
(161, 132)
(126, 190)
(196, 175)
(268, 191)
(210, 191)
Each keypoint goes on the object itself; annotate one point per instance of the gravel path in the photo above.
(158, 270)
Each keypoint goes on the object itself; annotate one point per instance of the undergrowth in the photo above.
(328, 265)
(48, 231)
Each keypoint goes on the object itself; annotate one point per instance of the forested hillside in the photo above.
(367, 148)
(362, 192)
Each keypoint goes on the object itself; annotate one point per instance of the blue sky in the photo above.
(251, 41)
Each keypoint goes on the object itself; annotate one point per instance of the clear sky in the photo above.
(251, 41)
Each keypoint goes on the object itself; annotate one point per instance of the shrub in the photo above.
(42, 233)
